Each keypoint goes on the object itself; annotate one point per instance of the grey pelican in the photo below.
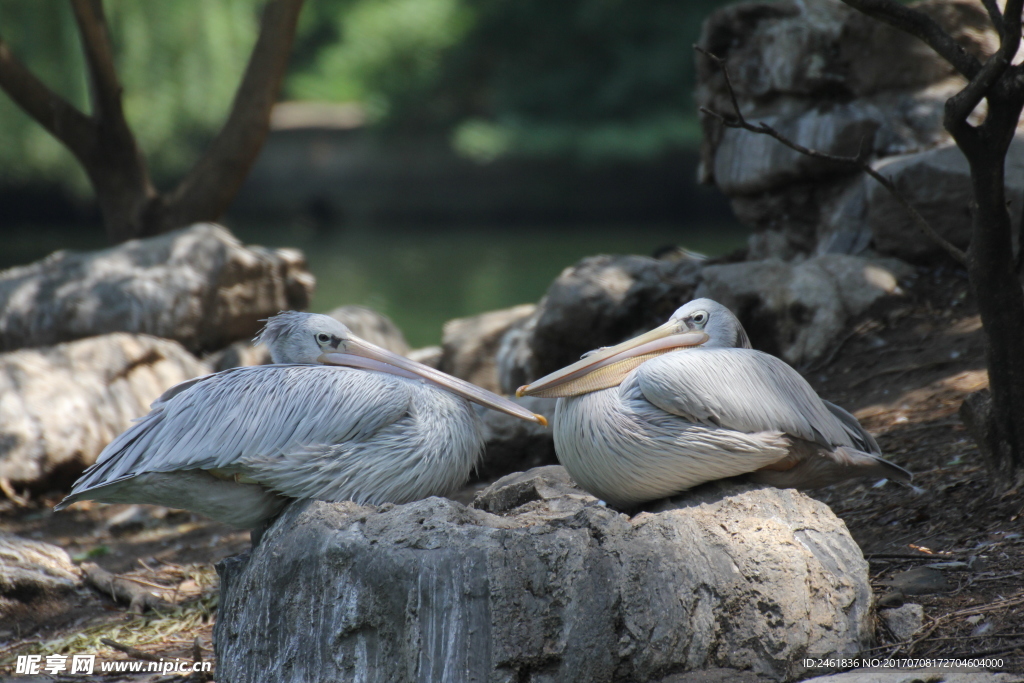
(690, 402)
(236, 445)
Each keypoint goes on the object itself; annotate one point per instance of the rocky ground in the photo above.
(954, 544)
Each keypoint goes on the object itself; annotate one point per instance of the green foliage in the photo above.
(387, 52)
(179, 63)
(590, 78)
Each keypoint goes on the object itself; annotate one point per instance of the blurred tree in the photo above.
(587, 77)
(157, 106)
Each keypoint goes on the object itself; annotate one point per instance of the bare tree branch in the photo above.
(104, 84)
(922, 26)
(211, 184)
(960, 106)
(859, 161)
(994, 14)
(61, 118)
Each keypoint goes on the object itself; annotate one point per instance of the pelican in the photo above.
(335, 418)
(690, 402)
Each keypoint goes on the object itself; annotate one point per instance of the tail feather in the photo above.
(824, 468)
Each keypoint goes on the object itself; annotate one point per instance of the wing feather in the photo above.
(741, 389)
(262, 411)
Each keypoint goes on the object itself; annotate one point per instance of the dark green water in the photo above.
(421, 278)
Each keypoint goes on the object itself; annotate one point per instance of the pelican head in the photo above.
(294, 337)
(312, 338)
(715, 320)
(692, 325)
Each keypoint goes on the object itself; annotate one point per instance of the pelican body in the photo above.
(691, 402)
(335, 418)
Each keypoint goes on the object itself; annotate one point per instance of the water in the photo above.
(423, 278)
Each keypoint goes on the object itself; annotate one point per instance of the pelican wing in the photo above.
(744, 390)
(861, 439)
(221, 420)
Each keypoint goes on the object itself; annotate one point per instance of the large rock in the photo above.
(937, 183)
(833, 80)
(34, 577)
(372, 326)
(599, 301)
(539, 582)
(198, 286)
(514, 445)
(469, 346)
(798, 310)
(60, 405)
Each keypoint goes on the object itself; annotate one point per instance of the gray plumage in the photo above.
(236, 445)
(694, 415)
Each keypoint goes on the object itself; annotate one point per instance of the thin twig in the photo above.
(994, 14)
(129, 650)
(960, 106)
(859, 161)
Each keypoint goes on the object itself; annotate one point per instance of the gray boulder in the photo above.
(372, 326)
(60, 405)
(514, 445)
(798, 310)
(34, 577)
(469, 346)
(937, 183)
(830, 79)
(599, 301)
(198, 286)
(539, 582)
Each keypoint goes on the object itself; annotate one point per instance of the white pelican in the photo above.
(690, 402)
(236, 445)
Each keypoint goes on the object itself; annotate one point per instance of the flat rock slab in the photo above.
(34, 576)
(198, 286)
(538, 581)
(60, 405)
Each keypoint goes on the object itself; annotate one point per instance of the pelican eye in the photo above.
(323, 337)
(700, 317)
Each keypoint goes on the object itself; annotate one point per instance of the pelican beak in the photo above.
(608, 367)
(362, 354)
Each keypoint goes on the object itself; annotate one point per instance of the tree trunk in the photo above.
(997, 289)
(994, 281)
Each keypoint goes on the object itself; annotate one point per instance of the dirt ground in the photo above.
(953, 544)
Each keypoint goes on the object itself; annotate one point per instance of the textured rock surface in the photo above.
(599, 301)
(198, 286)
(798, 310)
(903, 621)
(938, 183)
(372, 326)
(60, 405)
(830, 79)
(514, 445)
(539, 582)
(33, 575)
(469, 346)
